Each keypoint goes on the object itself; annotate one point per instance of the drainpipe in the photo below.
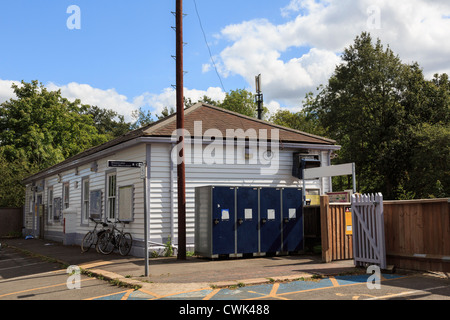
(330, 181)
(172, 209)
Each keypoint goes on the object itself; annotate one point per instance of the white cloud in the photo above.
(167, 98)
(111, 99)
(416, 30)
(6, 92)
(107, 99)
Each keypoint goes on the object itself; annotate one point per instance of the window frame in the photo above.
(85, 203)
(65, 195)
(111, 195)
(50, 197)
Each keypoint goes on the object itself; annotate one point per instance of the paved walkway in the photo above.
(274, 291)
(194, 277)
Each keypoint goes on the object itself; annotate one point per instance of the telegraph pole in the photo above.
(180, 128)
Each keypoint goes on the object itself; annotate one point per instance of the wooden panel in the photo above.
(336, 245)
(418, 234)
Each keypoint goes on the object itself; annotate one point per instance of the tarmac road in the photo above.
(26, 278)
(23, 277)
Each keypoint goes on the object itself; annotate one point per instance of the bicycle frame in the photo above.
(114, 239)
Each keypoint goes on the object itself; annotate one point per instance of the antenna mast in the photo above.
(259, 98)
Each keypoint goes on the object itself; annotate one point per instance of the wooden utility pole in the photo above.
(180, 128)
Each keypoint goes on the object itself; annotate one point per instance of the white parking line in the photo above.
(14, 259)
(22, 266)
(35, 275)
(407, 293)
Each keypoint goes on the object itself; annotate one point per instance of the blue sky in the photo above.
(121, 56)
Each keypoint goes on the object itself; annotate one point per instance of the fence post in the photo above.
(325, 229)
(381, 236)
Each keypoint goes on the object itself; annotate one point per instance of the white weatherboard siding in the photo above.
(97, 181)
(162, 185)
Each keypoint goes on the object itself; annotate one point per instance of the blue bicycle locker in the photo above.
(292, 219)
(223, 220)
(270, 220)
(247, 220)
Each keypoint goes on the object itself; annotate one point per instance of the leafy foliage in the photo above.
(389, 119)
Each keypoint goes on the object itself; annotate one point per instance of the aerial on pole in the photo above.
(180, 130)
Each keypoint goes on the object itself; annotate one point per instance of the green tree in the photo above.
(372, 105)
(108, 122)
(43, 128)
(301, 121)
(165, 113)
(38, 129)
(12, 191)
(241, 101)
(142, 119)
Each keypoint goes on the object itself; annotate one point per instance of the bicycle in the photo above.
(115, 239)
(91, 238)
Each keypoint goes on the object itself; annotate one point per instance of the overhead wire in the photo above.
(207, 45)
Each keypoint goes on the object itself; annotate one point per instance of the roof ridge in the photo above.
(268, 123)
(167, 120)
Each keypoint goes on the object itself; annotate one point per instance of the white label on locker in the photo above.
(292, 213)
(271, 214)
(248, 213)
(225, 214)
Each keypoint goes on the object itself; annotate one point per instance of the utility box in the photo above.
(304, 161)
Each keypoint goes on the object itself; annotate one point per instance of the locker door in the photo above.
(292, 219)
(223, 220)
(247, 220)
(270, 220)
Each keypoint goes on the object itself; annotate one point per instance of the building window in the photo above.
(85, 200)
(66, 188)
(50, 204)
(31, 205)
(111, 193)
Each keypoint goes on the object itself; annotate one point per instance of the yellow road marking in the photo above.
(150, 293)
(94, 264)
(127, 295)
(211, 294)
(274, 290)
(334, 282)
(107, 295)
(40, 288)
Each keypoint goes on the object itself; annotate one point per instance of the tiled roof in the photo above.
(216, 118)
(211, 118)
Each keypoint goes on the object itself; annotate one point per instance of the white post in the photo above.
(146, 226)
(354, 177)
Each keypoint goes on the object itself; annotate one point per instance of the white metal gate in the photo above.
(368, 230)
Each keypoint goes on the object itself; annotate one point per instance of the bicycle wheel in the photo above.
(105, 244)
(126, 241)
(87, 242)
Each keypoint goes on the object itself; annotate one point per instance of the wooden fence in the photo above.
(336, 244)
(11, 221)
(417, 234)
